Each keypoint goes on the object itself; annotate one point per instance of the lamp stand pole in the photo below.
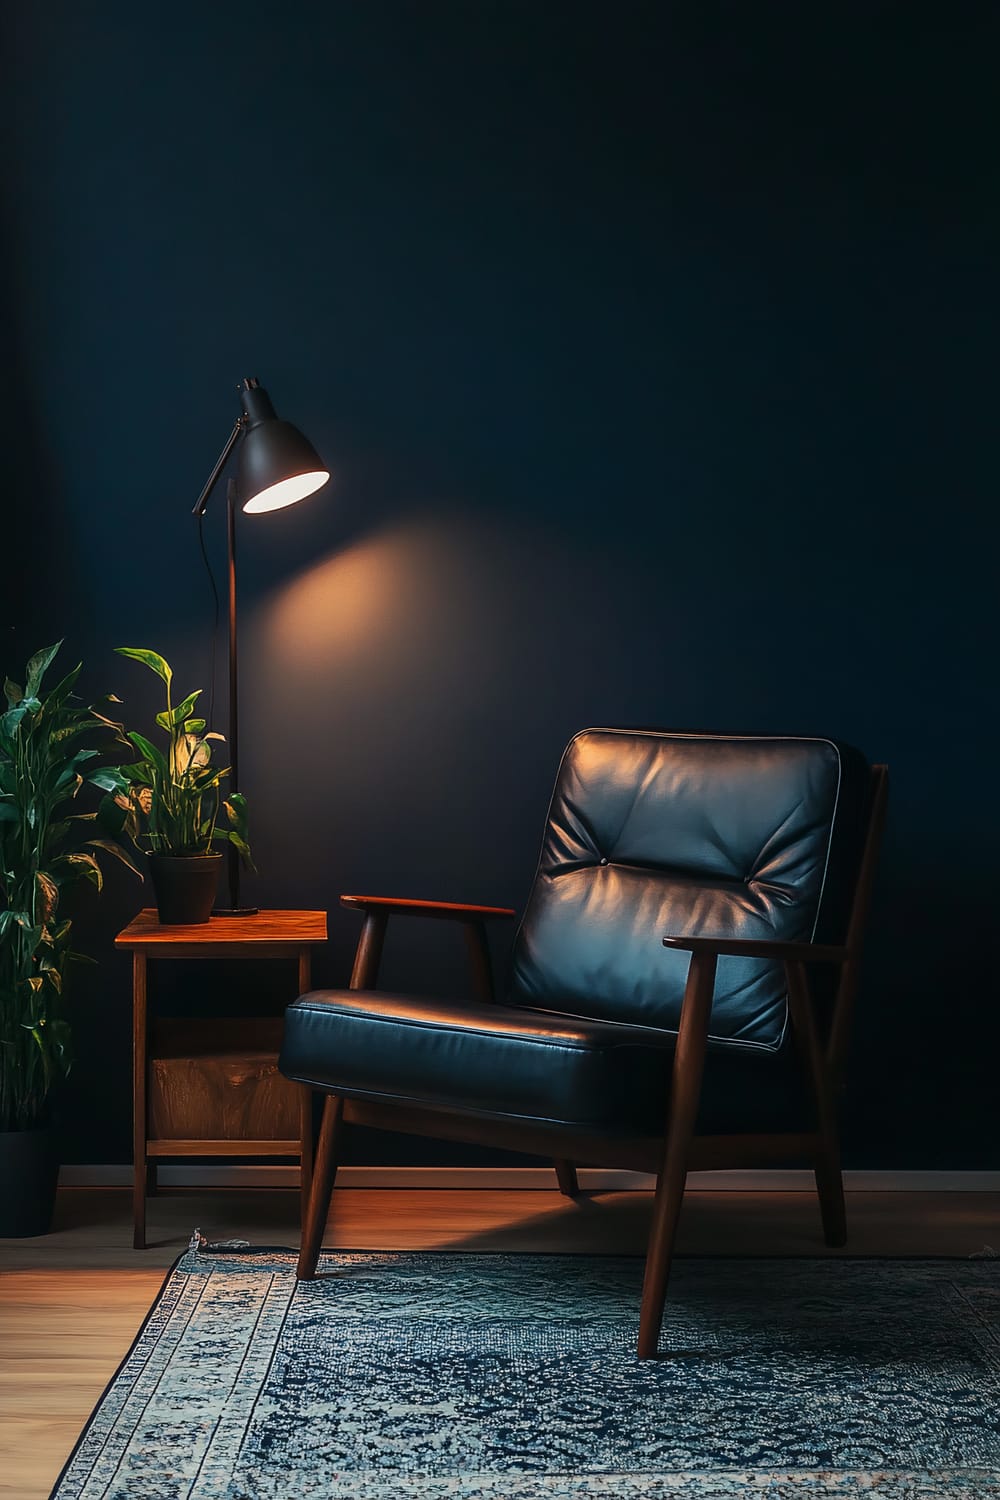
(233, 860)
(234, 908)
(273, 454)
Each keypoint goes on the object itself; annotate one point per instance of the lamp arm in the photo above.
(238, 426)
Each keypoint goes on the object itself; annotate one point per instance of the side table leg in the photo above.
(307, 1133)
(139, 1158)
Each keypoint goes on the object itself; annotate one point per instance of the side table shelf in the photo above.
(209, 1087)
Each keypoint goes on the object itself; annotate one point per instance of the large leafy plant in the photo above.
(51, 748)
(170, 799)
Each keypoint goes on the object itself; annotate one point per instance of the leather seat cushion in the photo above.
(496, 1060)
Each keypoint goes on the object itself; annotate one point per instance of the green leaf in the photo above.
(58, 831)
(72, 770)
(56, 697)
(238, 803)
(9, 811)
(182, 710)
(206, 779)
(136, 774)
(59, 1037)
(111, 816)
(236, 813)
(13, 693)
(244, 849)
(194, 726)
(107, 779)
(37, 667)
(84, 865)
(150, 753)
(71, 732)
(151, 659)
(110, 848)
(46, 1061)
(11, 719)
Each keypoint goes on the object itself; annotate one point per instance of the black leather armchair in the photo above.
(681, 986)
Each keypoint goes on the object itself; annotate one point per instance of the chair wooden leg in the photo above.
(829, 1178)
(323, 1175)
(685, 1092)
(566, 1177)
(830, 1187)
(659, 1251)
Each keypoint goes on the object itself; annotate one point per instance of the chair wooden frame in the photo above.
(821, 1053)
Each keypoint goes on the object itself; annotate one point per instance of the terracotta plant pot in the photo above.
(29, 1167)
(185, 886)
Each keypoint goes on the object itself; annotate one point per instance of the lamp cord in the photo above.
(215, 620)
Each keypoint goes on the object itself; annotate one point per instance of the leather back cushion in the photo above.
(652, 833)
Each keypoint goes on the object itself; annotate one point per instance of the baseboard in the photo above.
(595, 1179)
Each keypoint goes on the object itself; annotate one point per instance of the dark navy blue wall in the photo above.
(653, 348)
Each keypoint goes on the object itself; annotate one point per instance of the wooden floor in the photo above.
(70, 1303)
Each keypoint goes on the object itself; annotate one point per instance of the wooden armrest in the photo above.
(378, 910)
(805, 953)
(444, 910)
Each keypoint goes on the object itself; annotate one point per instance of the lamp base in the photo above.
(235, 911)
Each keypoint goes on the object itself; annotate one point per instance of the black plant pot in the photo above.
(185, 886)
(29, 1167)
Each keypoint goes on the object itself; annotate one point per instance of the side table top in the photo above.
(269, 928)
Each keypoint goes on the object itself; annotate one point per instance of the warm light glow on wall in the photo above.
(367, 593)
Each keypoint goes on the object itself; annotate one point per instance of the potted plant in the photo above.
(50, 749)
(169, 802)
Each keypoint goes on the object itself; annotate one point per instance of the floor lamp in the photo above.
(275, 467)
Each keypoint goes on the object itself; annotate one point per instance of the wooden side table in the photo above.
(209, 1087)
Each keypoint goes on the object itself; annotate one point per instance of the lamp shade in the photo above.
(276, 465)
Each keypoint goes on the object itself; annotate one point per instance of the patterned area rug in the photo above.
(446, 1376)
